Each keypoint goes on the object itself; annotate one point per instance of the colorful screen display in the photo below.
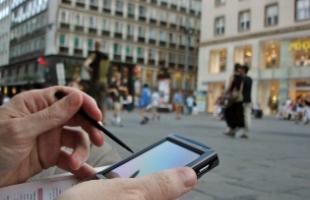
(167, 155)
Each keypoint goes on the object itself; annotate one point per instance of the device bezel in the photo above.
(207, 160)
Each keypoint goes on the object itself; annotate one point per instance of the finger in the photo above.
(94, 134)
(85, 171)
(54, 116)
(167, 185)
(79, 141)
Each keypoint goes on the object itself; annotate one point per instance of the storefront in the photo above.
(215, 90)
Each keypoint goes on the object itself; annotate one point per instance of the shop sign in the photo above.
(300, 45)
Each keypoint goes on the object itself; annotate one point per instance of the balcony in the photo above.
(141, 39)
(153, 21)
(66, 2)
(163, 23)
(174, 7)
(172, 45)
(105, 33)
(142, 18)
(171, 64)
(93, 7)
(129, 59)
(80, 4)
(152, 41)
(117, 57)
(119, 13)
(151, 61)
(173, 25)
(64, 25)
(140, 60)
(182, 46)
(183, 9)
(92, 31)
(118, 35)
(164, 4)
(106, 10)
(63, 50)
(181, 66)
(162, 62)
(79, 28)
(78, 52)
(162, 43)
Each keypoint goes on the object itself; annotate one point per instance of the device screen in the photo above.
(166, 155)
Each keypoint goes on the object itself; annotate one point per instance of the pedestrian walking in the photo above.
(155, 105)
(178, 101)
(247, 100)
(97, 64)
(190, 104)
(144, 102)
(234, 115)
(117, 91)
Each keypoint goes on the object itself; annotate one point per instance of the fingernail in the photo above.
(188, 177)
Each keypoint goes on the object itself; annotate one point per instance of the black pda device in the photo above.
(171, 152)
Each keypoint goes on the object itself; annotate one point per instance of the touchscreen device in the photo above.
(171, 152)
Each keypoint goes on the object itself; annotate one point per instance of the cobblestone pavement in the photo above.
(274, 164)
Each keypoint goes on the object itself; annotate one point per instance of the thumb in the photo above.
(167, 185)
(53, 116)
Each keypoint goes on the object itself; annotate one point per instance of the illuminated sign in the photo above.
(300, 45)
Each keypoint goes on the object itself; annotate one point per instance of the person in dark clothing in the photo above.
(1, 99)
(247, 100)
(117, 91)
(97, 64)
(234, 112)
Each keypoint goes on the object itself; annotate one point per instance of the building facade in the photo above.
(145, 34)
(271, 36)
(5, 22)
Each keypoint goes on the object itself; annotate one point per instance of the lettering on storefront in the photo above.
(300, 45)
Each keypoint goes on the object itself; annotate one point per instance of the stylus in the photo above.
(81, 112)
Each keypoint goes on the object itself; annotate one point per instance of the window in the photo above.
(90, 44)
(119, 6)
(271, 56)
(131, 9)
(129, 50)
(140, 52)
(117, 49)
(130, 29)
(272, 15)
(107, 4)
(62, 40)
(118, 27)
(76, 42)
(142, 11)
(243, 55)
(218, 61)
(219, 26)
(219, 2)
(244, 21)
(302, 10)
(141, 32)
(106, 25)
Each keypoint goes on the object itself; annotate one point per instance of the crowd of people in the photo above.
(298, 110)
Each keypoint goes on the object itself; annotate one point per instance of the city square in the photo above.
(150, 68)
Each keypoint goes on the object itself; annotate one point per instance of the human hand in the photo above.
(166, 185)
(33, 132)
